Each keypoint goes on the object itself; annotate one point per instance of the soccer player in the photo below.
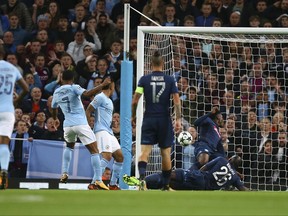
(157, 125)
(67, 97)
(217, 174)
(209, 144)
(9, 75)
(108, 145)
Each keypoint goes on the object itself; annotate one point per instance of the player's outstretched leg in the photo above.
(131, 180)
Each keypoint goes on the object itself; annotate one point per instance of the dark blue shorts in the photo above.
(157, 130)
(202, 147)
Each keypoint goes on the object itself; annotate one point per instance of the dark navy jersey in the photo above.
(158, 88)
(220, 174)
(208, 131)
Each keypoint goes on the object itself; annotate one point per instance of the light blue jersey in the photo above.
(68, 97)
(103, 113)
(9, 74)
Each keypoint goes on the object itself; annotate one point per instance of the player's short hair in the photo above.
(156, 59)
(68, 75)
(235, 161)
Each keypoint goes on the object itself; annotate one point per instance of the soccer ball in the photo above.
(184, 138)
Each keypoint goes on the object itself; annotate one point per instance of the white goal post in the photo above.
(232, 44)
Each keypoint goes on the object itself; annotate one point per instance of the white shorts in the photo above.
(107, 142)
(7, 121)
(84, 132)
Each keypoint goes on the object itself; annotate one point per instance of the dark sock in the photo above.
(142, 169)
(166, 174)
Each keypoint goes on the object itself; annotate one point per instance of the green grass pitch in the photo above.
(72, 202)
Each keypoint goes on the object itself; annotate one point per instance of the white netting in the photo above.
(245, 75)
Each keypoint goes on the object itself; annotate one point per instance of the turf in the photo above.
(64, 202)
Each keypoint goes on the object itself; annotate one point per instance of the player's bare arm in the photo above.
(177, 105)
(97, 89)
(25, 90)
(135, 101)
(90, 109)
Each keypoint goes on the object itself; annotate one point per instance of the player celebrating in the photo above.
(215, 175)
(157, 125)
(108, 145)
(9, 74)
(209, 144)
(75, 125)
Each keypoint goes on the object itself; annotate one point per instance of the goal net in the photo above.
(243, 71)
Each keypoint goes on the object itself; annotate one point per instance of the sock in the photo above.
(117, 167)
(95, 162)
(142, 169)
(67, 155)
(104, 164)
(166, 177)
(4, 157)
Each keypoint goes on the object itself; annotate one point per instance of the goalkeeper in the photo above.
(209, 144)
(215, 175)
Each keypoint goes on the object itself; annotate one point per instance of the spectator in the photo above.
(52, 132)
(18, 114)
(170, 19)
(153, 9)
(207, 17)
(193, 105)
(63, 32)
(217, 22)
(263, 105)
(13, 59)
(19, 148)
(8, 40)
(75, 48)
(37, 129)
(33, 80)
(37, 8)
(280, 174)
(18, 32)
(35, 104)
(19, 8)
(188, 157)
(54, 11)
(115, 56)
(183, 9)
(234, 19)
(266, 164)
(189, 21)
(78, 23)
(104, 29)
(41, 69)
(90, 30)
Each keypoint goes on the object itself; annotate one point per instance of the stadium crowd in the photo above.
(44, 37)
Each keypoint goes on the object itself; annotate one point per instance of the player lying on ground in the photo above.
(215, 175)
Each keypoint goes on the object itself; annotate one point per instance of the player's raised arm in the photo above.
(97, 89)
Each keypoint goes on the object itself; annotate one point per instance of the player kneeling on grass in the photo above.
(215, 175)
(108, 145)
